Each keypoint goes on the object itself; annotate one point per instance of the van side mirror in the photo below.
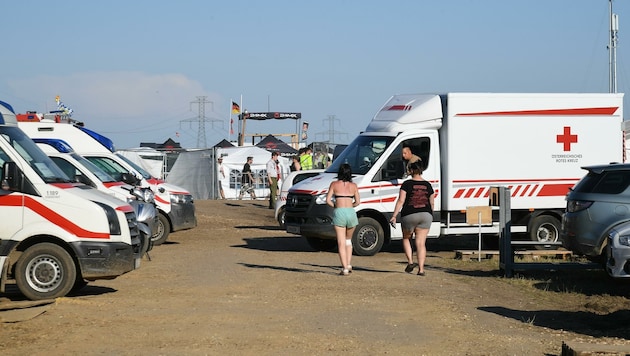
(11, 176)
(129, 178)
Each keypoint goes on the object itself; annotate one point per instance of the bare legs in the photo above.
(421, 248)
(344, 245)
(407, 246)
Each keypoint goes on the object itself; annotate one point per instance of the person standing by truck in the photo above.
(415, 205)
(273, 174)
(346, 195)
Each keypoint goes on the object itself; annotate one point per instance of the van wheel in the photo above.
(162, 229)
(281, 217)
(321, 244)
(544, 228)
(368, 237)
(45, 271)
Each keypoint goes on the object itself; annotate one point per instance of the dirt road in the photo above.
(237, 284)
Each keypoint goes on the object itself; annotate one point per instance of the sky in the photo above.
(137, 71)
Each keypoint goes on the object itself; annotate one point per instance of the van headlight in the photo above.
(148, 195)
(320, 199)
(624, 240)
(181, 198)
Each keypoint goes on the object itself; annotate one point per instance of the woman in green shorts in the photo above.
(343, 195)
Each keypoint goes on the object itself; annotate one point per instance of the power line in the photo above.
(331, 133)
(201, 120)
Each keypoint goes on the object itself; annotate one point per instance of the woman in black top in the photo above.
(415, 204)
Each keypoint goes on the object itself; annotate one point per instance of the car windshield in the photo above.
(361, 154)
(99, 173)
(138, 169)
(109, 166)
(36, 158)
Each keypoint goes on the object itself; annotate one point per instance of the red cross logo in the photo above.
(566, 138)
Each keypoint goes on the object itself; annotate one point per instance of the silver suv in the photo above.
(598, 202)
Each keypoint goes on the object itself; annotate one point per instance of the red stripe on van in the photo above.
(551, 112)
(552, 190)
(51, 215)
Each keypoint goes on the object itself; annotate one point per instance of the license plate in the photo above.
(293, 229)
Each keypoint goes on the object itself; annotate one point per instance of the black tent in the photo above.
(223, 144)
(272, 144)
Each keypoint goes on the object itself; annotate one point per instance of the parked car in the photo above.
(291, 179)
(599, 202)
(618, 251)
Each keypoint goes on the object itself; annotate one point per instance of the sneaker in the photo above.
(410, 267)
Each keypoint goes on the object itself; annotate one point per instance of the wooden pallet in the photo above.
(467, 255)
(570, 348)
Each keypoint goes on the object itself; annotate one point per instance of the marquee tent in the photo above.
(271, 144)
(196, 170)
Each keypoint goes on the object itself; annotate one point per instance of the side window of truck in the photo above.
(420, 147)
(394, 167)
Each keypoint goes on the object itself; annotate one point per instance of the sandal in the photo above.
(344, 272)
(421, 274)
(410, 267)
(349, 269)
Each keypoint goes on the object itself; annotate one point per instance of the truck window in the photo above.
(420, 147)
(393, 167)
(362, 154)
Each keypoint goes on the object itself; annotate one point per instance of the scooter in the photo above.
(143, 203)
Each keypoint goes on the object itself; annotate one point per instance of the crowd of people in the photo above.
(305, 160)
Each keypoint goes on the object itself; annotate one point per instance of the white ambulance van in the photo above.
(175, 204)
(56, 234)
(532, 143)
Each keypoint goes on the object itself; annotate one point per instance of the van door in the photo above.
(11, 199)
(393, 173)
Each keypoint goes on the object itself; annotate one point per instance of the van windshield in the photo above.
(33, 155)
(139, 169)
(361, 154)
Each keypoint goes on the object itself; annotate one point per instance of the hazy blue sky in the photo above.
(132, 69)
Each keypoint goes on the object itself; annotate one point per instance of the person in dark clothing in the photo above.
(247, 179)
(415, 205)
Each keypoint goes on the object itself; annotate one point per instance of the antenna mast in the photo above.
(612, 49)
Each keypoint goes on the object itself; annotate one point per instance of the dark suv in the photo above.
(598, 202)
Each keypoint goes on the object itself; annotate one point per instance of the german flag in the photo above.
(235, 108)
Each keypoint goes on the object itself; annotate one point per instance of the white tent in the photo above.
(196, 170)
(152, 161)
(234, 159)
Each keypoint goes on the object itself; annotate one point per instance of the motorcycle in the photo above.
(143, 203)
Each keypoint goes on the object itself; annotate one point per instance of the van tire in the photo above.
(544, 228)
(368, 237)
(162, 230)
(321, 244)
(45, 271)
(281, 216)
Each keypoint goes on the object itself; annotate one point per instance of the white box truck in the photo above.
(55, 234)
(533, 143)
(176, 210)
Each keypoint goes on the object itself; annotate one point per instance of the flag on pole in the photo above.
(235, 108)
(231, 127)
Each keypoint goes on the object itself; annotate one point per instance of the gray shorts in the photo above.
(417, 220)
